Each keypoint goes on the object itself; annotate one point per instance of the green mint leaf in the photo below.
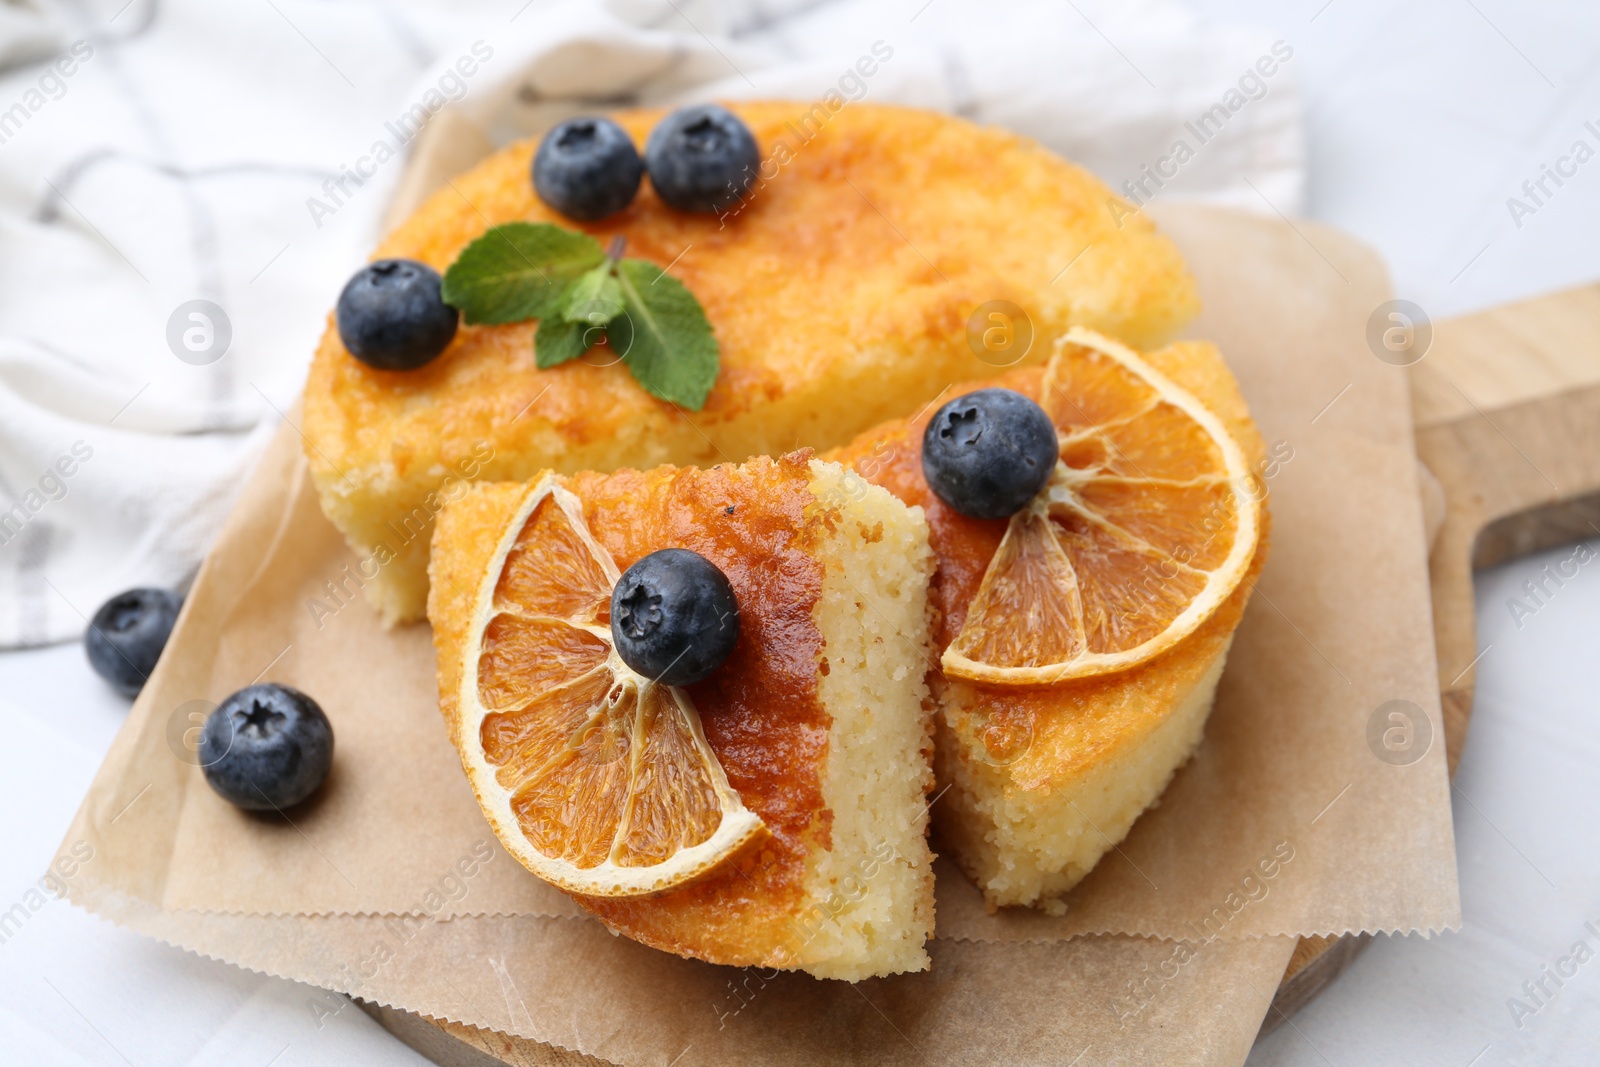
(557, 340)
(594, 299)
(663, 336)
(518, 271)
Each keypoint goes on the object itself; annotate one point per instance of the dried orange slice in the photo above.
(1147, 525)
(598, 779)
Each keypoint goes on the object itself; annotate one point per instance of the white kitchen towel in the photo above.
(184, 187)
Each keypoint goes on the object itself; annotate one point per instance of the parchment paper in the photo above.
(1339, 624)
(1286, 779)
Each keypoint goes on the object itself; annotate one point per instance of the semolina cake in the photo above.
(1040, 780)
(841, 294)
(818, 720)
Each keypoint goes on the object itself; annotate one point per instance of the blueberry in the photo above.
(986, 454)
(587, 169)
(392, 317)
(701, 158)
(266, 747)
(674, 616)
(127, 634)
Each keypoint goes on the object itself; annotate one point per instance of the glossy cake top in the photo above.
(868, 241)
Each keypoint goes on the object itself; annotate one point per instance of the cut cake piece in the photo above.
(819, 718)
(1041, 780)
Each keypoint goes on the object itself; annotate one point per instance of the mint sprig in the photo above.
(584, 295)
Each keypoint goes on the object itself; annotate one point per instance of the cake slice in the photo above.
(846, 290)
(784, 823)
(1047, 759)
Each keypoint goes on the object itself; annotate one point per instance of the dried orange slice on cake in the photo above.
(597, 778)
(1148, 524)
(1119, 585)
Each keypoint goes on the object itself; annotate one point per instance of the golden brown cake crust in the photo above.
(839, 295)
(1070, 725)
(760, 710)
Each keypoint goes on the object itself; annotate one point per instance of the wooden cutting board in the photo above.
(1507, 410)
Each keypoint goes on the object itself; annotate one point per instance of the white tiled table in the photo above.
(1422, 123)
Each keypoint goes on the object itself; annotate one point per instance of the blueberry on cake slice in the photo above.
(696, 701)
